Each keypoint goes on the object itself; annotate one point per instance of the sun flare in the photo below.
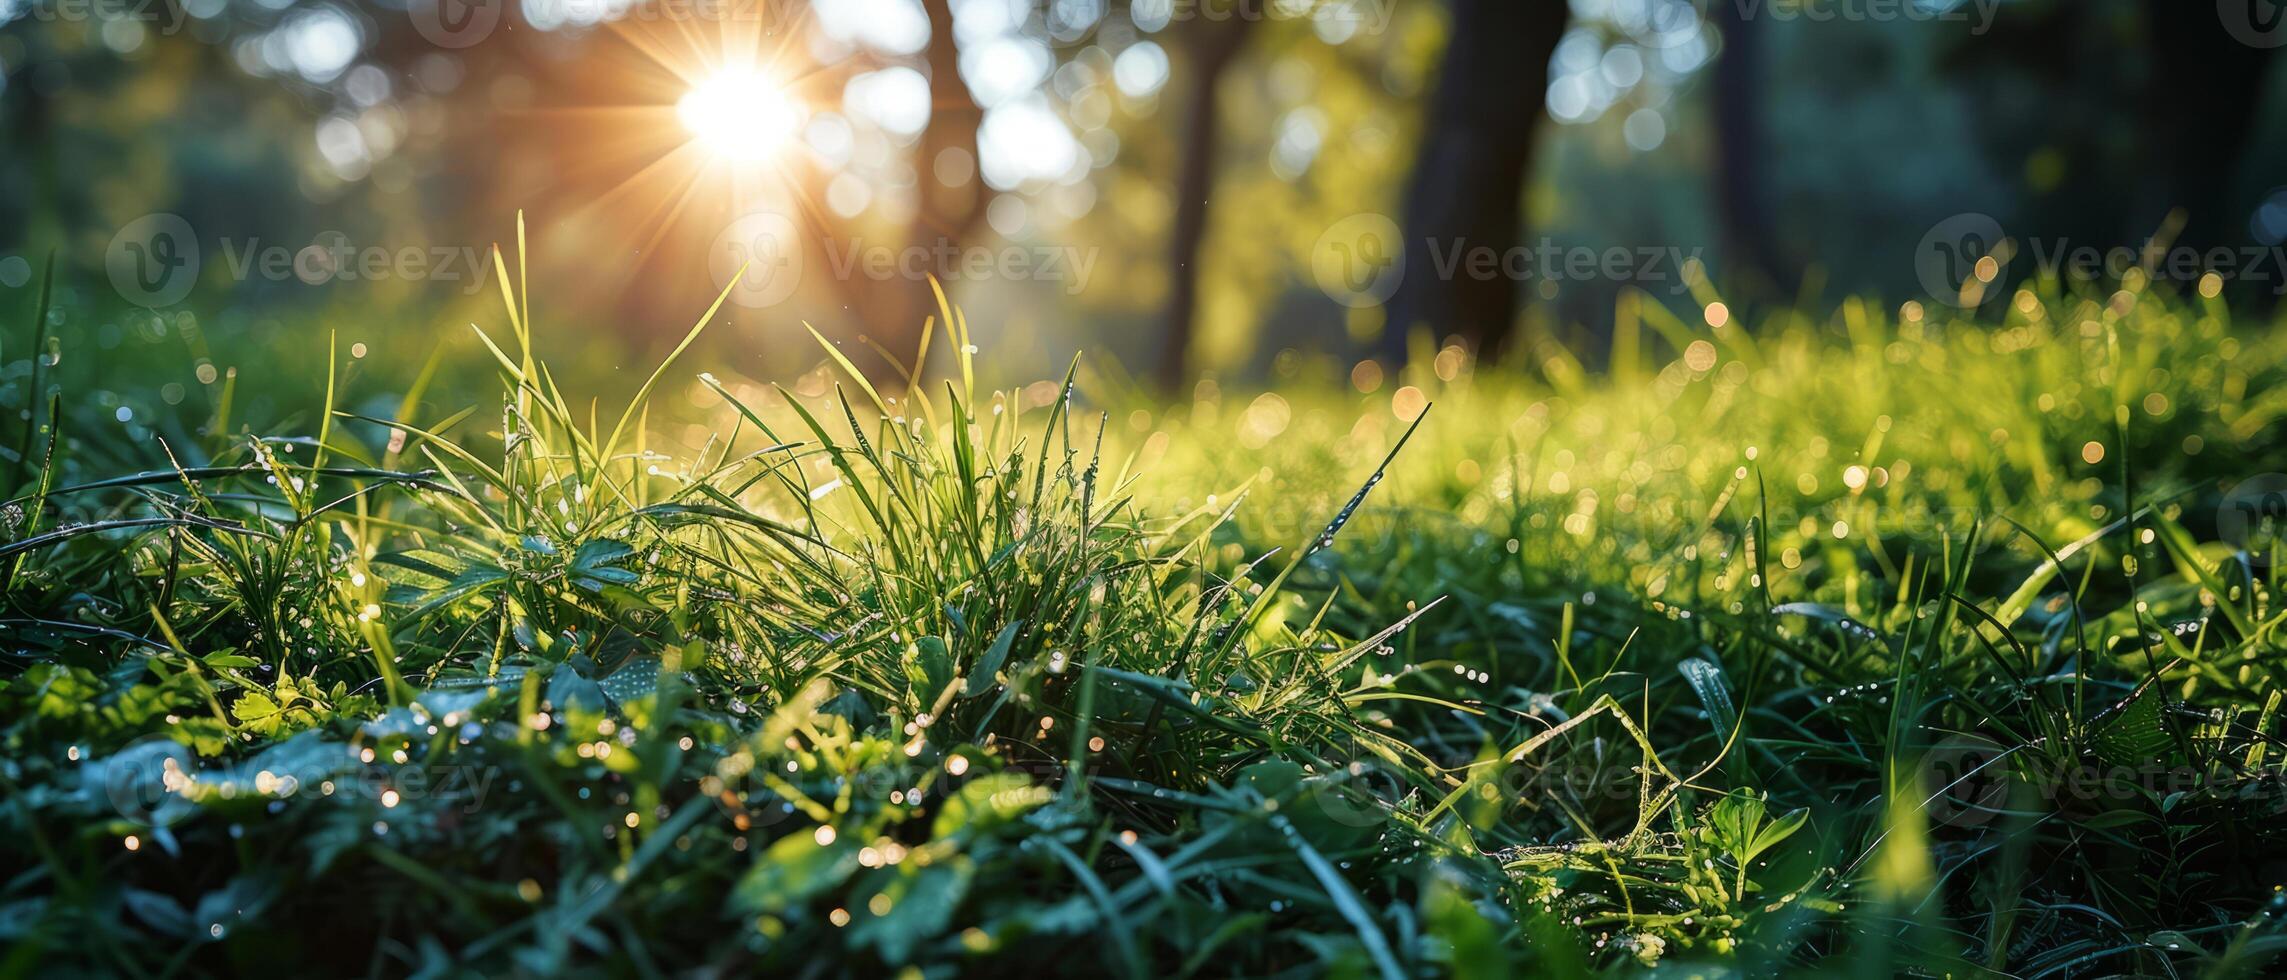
(739, 113)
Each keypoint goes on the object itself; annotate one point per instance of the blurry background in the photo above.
(1243, 187)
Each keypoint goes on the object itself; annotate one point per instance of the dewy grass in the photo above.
(1886, 645)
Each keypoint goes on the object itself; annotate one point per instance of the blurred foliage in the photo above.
(286, 123)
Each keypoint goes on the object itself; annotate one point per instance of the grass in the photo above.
(1880, 643)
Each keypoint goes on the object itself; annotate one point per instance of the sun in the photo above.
(739, 113)
(676, 131)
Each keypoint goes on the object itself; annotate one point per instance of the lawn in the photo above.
(1880, 639)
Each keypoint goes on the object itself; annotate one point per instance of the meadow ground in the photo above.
(1891, 640)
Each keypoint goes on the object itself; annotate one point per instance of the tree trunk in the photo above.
(1468, 180)
(35, 136)
(1213, 46)
(1749, 246)
(2199, 111)
(947, 213)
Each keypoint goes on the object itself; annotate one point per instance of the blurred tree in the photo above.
(1741, 170)
(1210, 47)
(1468, 180)
(2127, 121)
(28, 106)
(111, 116)
(953, 194)
(1319, 124)
(1207, 41)
(2203, 89)
(2051, 115)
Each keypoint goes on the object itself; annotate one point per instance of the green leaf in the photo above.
(1776, 831)
(1272, 779)
(1347, 902)
(1473, 948)
(928, 669)
(982, 673)
(567, 689)
(159, 911)
(433, 564)
(2135, 735)
(1733, 820)
(257, 711)
(921, 905)
(1737, 822)
(597, 560)
(988, 801)
(476, 579)
(601, 552)
(792, 870)
(632, 682)
(1714, 690)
